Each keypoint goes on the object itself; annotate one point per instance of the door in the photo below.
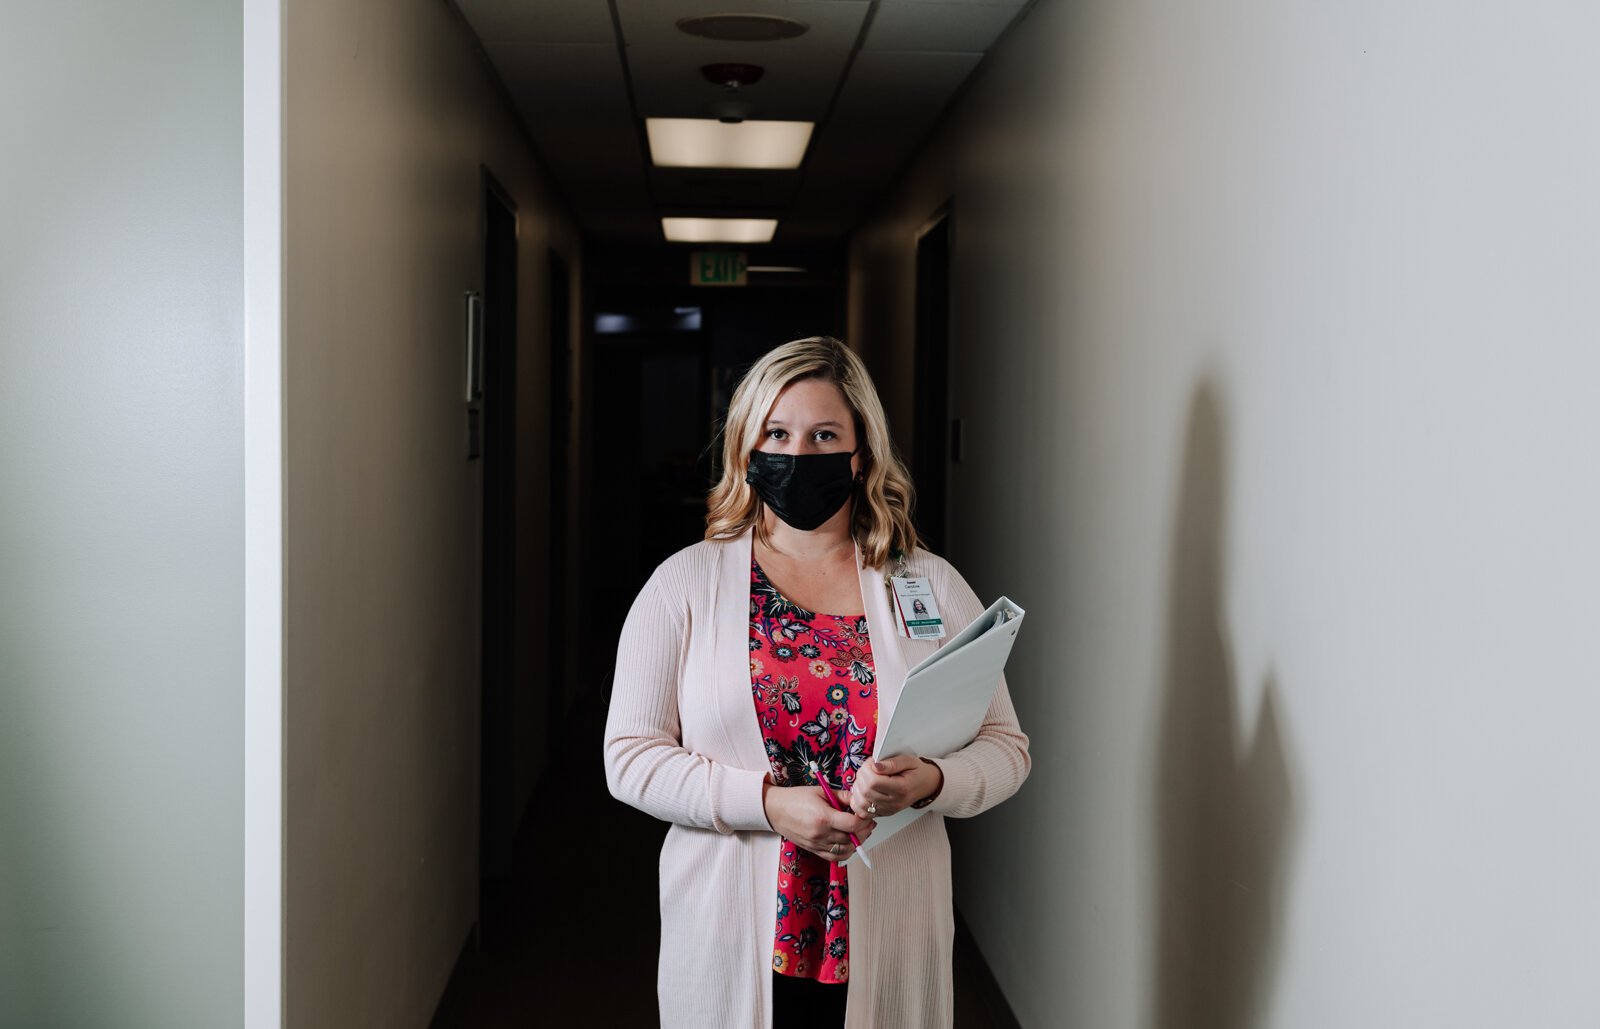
(496, 787)
(559, 347)
(930, 443)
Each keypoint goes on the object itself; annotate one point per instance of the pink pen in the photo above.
(833, 801)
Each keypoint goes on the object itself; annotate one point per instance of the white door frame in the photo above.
(263, 506)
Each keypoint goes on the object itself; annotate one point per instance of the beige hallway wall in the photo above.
(389, 115)
(1275, 348)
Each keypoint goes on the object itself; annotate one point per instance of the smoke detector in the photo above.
(742, 28)
(732, 76)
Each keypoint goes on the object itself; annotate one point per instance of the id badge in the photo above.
(916, 609)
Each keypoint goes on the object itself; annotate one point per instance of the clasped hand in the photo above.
(803, 816)
(882, 788)
(891, 785)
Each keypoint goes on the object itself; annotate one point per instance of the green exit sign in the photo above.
(718, 268)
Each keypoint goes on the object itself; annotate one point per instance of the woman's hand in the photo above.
(885, 787)
(802, 815)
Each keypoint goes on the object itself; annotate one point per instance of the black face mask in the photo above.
(804, 490)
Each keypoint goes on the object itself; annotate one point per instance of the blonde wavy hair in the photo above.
(881, 500)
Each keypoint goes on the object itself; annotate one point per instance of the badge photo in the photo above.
(916, 609)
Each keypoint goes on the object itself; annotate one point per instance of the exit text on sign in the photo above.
(717, 268)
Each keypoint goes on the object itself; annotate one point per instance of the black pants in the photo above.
(806, 1003)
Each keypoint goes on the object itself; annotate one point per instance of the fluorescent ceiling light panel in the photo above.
(708, 143)
(719, 230)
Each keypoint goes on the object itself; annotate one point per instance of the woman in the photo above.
(764, 657)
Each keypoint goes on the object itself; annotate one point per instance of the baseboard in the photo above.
(982, 978)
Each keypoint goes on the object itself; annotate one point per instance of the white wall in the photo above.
(1276, 333)
(389, 116)
(121, 516)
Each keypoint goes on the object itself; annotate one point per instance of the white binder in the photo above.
(945, 698)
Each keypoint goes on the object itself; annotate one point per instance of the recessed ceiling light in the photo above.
(742, 28)
(708, 143)
(719, 230)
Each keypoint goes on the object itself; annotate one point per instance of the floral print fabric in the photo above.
(817, 701)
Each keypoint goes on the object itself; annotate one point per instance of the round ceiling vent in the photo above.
(742, 28)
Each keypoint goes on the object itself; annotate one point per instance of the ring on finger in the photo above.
(872, 808)
(833, 848)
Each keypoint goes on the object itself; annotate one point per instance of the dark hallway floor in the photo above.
(572, 942)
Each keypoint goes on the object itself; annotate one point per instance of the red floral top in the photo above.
(816, 698)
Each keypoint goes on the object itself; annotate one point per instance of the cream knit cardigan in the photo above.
(682, 743)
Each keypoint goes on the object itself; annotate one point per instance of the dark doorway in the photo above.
(561, 409)
(496, 786)
(930, 437)
(661, 358)
(652, 427)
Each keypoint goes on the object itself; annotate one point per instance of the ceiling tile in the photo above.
(733, 192)
(936, 27)
(898, 93)
(540, 21)
(602, 155)
(574, 104)
(889, 105)
(609, 168)
(667, 82)
(554, 84)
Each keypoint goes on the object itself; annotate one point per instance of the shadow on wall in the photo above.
(1224, 805)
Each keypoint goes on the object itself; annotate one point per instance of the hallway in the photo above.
(360, 361)
(572, 940)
